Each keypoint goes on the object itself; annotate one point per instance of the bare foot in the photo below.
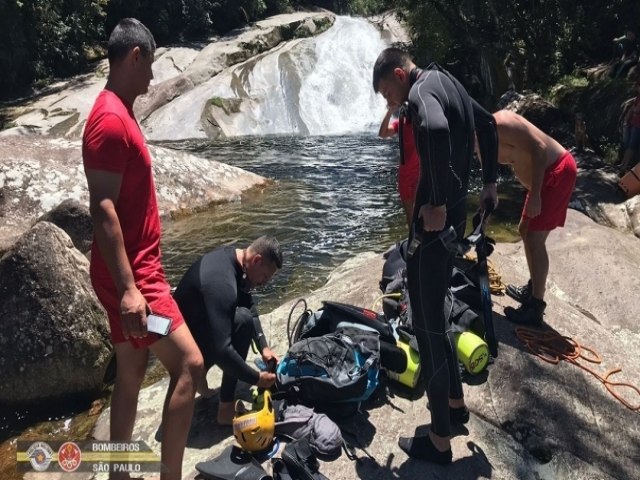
(226, 411)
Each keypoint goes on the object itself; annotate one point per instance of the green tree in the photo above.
(547, 38)
(45, 38)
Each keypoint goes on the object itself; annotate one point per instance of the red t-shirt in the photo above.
(409, 172)
(113, 142)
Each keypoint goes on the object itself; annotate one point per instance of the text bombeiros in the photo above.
(115, 447)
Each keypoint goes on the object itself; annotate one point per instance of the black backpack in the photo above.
(461, 304)
(333, 361)
(335, 315)
(333, 372)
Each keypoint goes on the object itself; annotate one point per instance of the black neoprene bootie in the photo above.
(458, 416)
(422, 448)
(520, 294)
(529, 313)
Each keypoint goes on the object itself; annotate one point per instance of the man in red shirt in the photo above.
(409, 169)
(126, 271)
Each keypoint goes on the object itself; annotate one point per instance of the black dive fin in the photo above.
(280, 471)
(233, 464)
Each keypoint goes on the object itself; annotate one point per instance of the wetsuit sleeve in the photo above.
(486, 132)
(433, 142)
(220, 298)
(259, 337)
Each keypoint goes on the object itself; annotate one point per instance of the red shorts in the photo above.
(557, 187)
(159, 299)
(408, 176)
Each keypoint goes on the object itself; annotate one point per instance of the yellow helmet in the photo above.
(254, 429)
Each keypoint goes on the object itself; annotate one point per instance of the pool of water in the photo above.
(333, 197)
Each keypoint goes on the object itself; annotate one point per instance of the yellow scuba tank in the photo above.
(412, 373)
(473, 352)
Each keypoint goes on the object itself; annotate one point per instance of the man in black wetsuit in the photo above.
(443, 118)
(215, 300)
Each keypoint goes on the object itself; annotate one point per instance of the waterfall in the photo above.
(313, 86)
(337, 96)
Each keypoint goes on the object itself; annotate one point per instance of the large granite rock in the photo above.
(592, 297)
(530, 419)
(62, 108)
(235, 48)
(293, 88)
(37, 174)
(74, 218)
(393, 30)
(598, 196)
(54, 341)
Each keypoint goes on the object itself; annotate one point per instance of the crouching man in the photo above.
(215, 300)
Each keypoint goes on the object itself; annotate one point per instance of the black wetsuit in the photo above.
(444, 118)
(220, 313)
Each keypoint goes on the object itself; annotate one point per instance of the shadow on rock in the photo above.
(470, 467)
(598, 186)
(205, 431)
(358, 432)
(556, 406)
(476, 465)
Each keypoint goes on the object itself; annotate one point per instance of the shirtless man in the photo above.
(548, 172)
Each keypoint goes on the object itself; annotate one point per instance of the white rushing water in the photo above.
(312, 86)
(315, 86)
(337, 97)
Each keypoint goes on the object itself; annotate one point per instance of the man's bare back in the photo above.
(524, 147)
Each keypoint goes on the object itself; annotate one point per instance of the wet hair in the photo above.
(388, 60)
(269, 248)
(128, 34)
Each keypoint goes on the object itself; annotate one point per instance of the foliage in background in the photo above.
(41, 39)
(545, 39)
(46, 39)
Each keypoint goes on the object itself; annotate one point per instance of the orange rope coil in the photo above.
(552, 347)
